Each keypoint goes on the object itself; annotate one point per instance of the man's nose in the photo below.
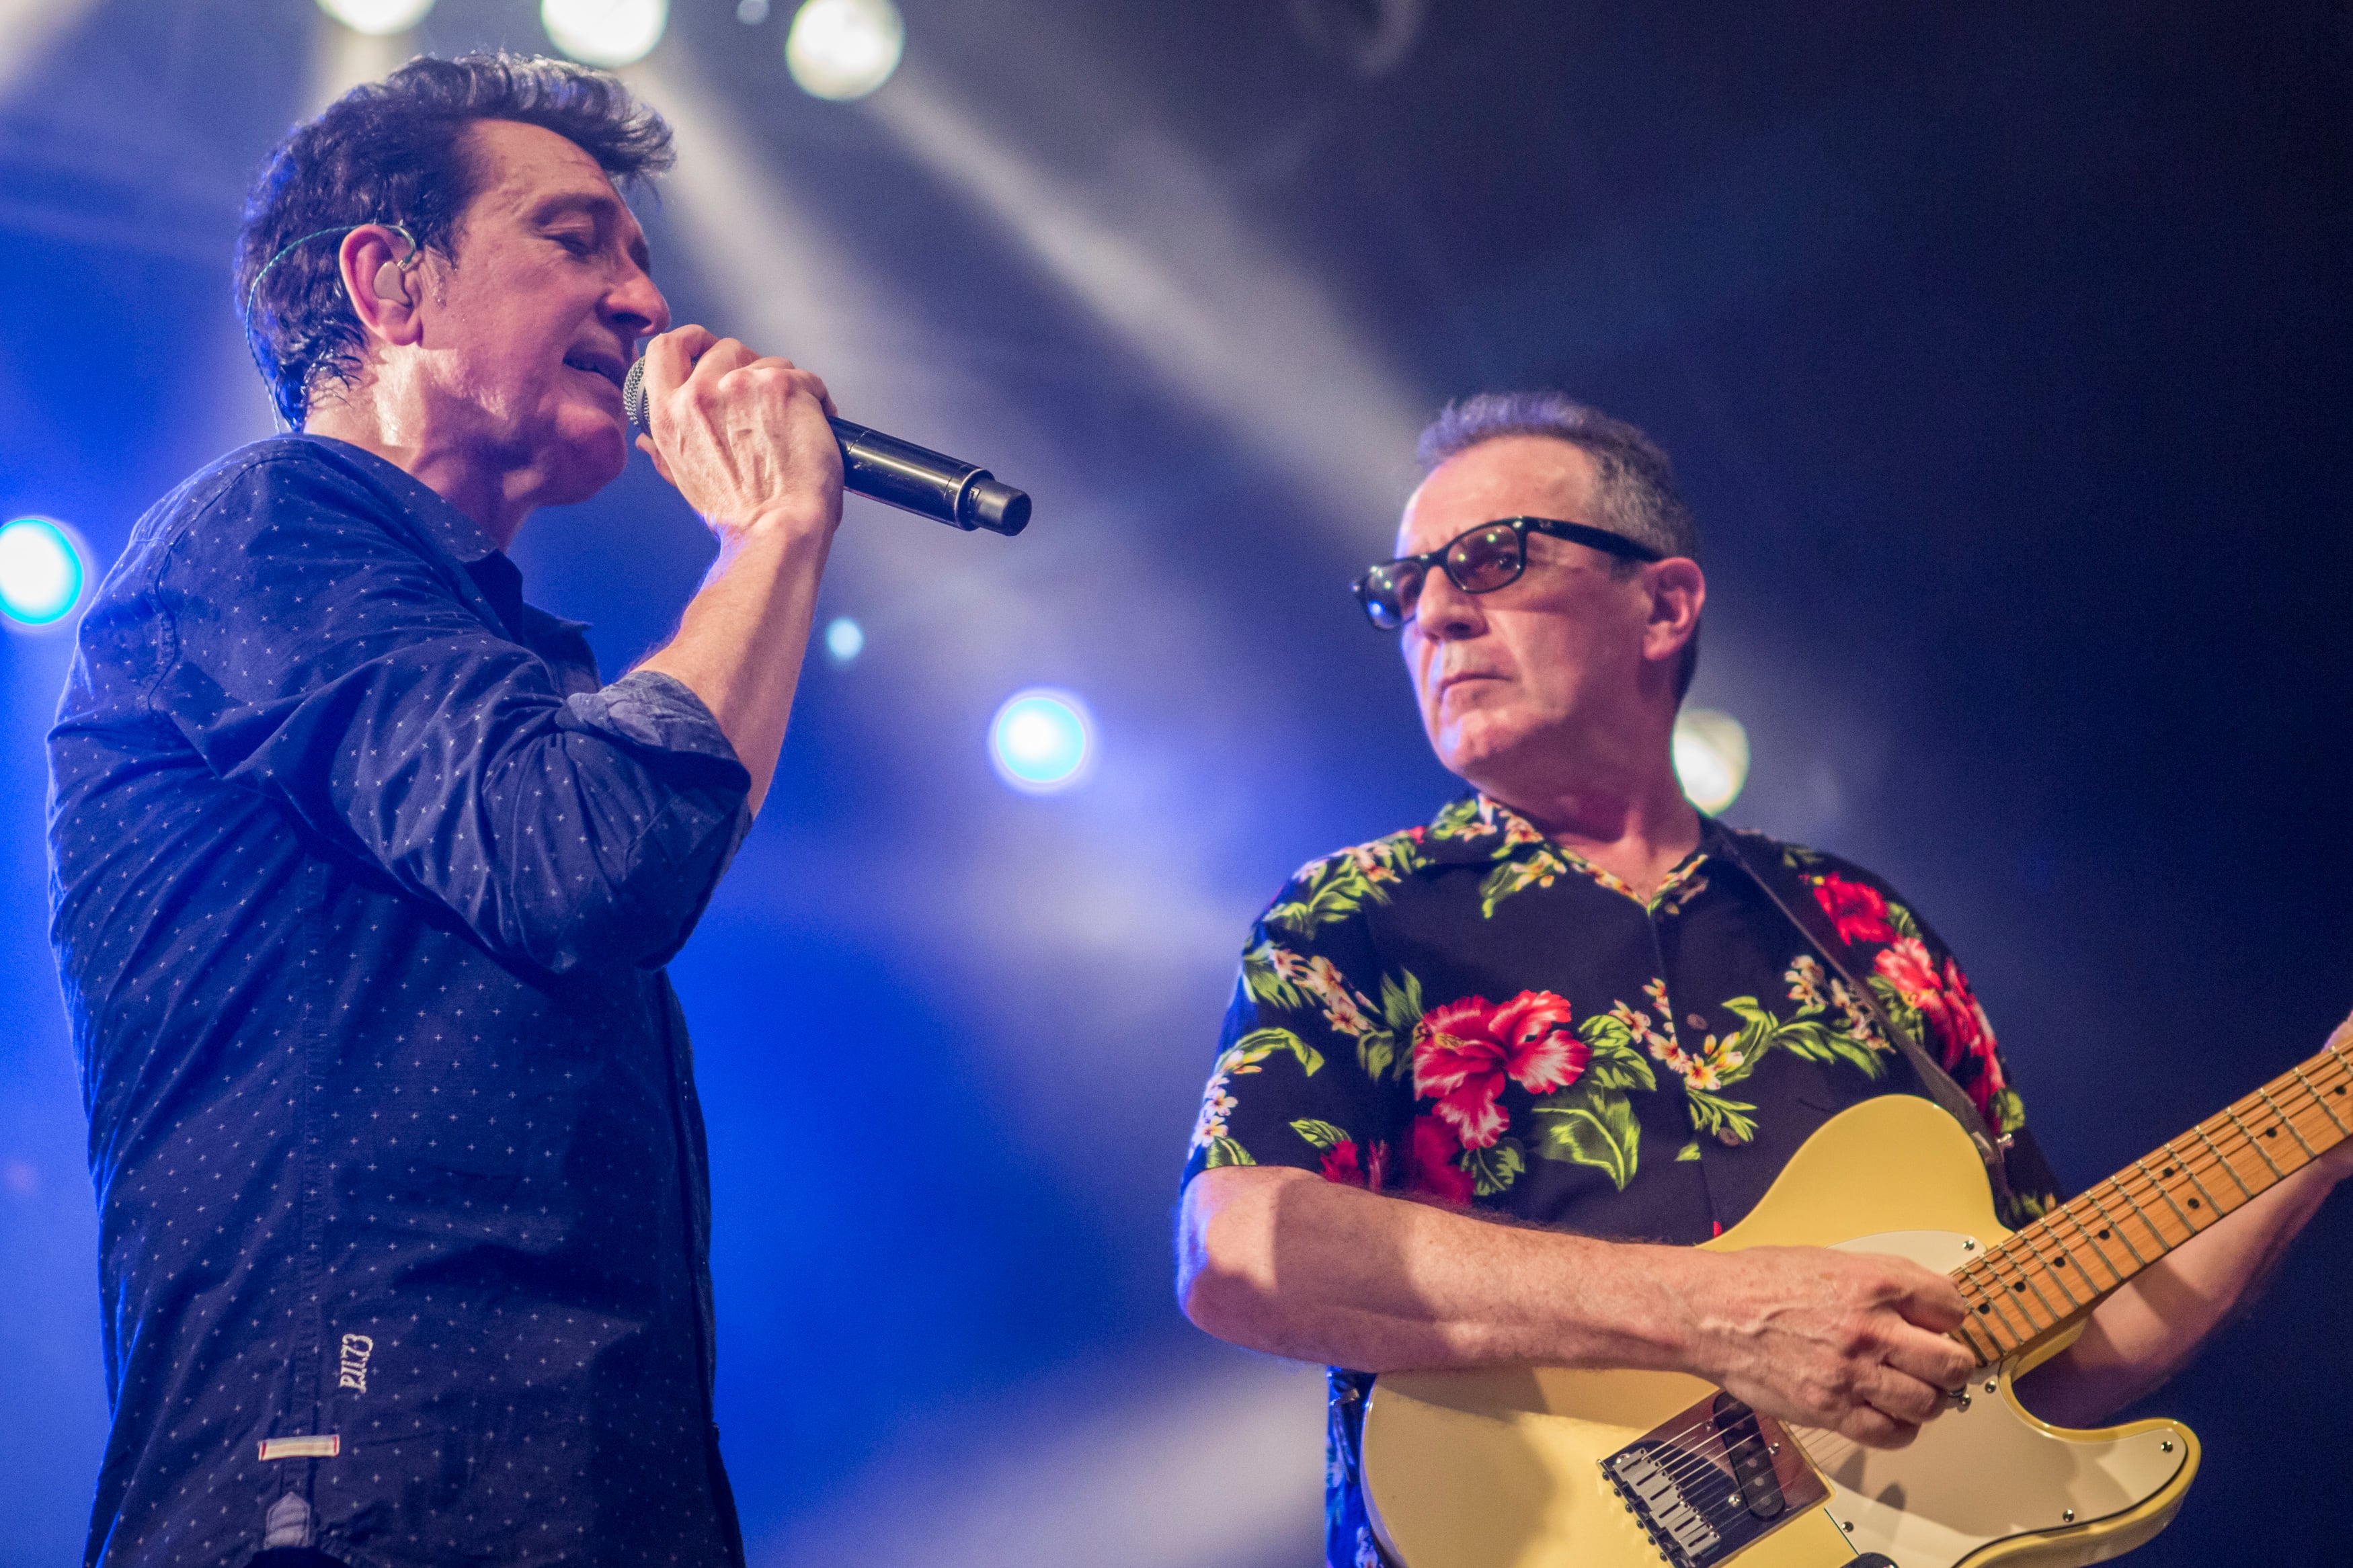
(637, 308)
(1444, 611)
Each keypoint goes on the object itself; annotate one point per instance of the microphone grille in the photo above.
(633, 394)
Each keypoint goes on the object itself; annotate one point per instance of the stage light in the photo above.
(843, 50)
(1042, 741)
(1711, 752)
(844, 639)
(377, 18)
(750, 13)
(606, 32)
(41, 572)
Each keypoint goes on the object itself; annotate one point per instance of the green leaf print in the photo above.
(1808, 1039)
(1901, 919)
(1260, 1044)
(1344, 883)
(1537, 869)
(1712, 1114)
(1688, 1152)
(1401, 1007)
(1266, 982)
(1591, 1125)
(1323, 1134)
(1494, 1170)
(1618, 1062)
(1226, 1152)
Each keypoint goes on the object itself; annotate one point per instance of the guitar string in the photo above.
(2190, 1164)
(1695, 1460)
(1986, 1274)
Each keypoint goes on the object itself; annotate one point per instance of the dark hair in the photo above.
(393, 153)
(1637, 483)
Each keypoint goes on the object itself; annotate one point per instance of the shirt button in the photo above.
(1695, 1021)
(1727, 1137)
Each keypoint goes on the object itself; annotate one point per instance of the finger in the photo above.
(671, 357)
(723, 355)
(1875, 1429)
(1930, 1300)
(1930, 1358)
(1901, 1396)
(646, 445)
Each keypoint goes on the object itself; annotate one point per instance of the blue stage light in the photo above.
(41, 571)
(1042, 741)
(844, 639)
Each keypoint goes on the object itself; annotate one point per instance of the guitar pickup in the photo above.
(1712, 1479)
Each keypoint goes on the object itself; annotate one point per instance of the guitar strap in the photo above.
(1764, 866)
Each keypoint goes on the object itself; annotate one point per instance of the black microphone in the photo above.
(898, 473)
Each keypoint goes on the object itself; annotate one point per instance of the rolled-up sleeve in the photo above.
(311, 651)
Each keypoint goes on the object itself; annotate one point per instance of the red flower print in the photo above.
(1430, 1170)
(1341, 1165)
(1953, 1013)
(1857, 911)
(1464, 1052)
(1906, 964)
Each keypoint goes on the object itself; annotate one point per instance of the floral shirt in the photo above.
(1469, 1013)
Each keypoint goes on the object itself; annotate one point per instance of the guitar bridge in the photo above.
(1710, 1480)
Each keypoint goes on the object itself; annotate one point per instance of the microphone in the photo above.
(898, 473)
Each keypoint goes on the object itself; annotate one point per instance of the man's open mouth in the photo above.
(597, 365)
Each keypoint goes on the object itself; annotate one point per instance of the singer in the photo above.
(364, 879)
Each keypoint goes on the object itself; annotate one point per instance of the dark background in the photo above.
(2004, 352)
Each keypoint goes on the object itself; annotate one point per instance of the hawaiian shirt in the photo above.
(1469, 1013)
(363, 886)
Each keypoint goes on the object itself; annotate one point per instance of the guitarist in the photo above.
(1563, 1008)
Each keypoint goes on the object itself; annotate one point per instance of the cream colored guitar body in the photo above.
(1505, 1468)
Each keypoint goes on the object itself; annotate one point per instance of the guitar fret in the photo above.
(2099, 1251)
(2224, 1161)
(2092, 1196)
(2018, 1288)
(2142, 1166)
(2140, 1214)
(2052, 1265)
(2182, 1164)
(1999, 1296)
(2342, 1130)
(2289, 1122)
(2256, 1143)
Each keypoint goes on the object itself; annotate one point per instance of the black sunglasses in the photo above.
(1488, 557)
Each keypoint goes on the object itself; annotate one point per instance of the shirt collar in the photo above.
(1477, 828)
(463, 540)
(456, 534)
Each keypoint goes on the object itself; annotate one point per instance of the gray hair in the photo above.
(1635, 480)
(1638, 492)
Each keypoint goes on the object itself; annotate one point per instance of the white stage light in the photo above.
(41, 571)
(606, 32)
(1711, 757)
(843, 50)
(844, 639)
(1042, 741)
(377, 18)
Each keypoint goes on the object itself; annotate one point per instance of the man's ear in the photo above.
(379, 281)
(1678, 591)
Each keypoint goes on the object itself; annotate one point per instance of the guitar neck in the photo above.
(2058, 1267)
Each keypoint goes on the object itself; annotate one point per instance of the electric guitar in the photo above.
(1544, 1467)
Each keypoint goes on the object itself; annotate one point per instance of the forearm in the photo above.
(2150, 1328)
(1285, 1262)
(740, 643)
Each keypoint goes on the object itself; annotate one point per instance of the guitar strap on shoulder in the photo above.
(1764, 866)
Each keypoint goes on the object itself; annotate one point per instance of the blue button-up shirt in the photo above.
(363, 889)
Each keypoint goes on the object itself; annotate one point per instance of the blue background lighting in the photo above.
(40, 572)
(1042, 741)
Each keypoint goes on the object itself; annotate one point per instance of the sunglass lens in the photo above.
(1482, 561)
(1388, 592)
